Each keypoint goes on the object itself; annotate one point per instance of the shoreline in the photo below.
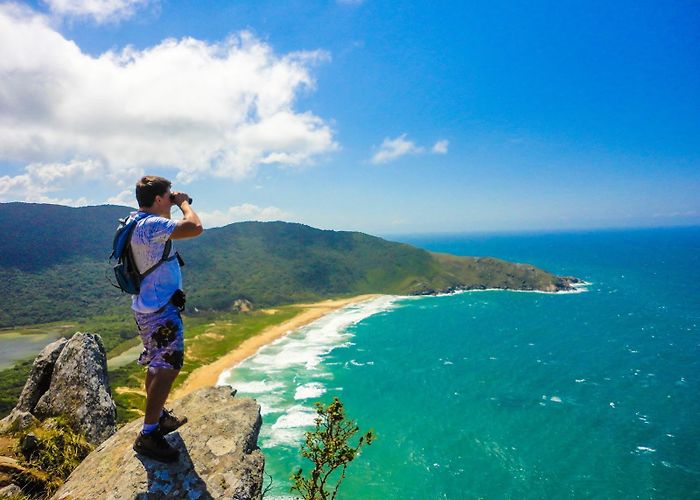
(208, 375)
(581, 287)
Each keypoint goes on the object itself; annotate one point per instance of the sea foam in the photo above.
(310, 390)
(257, 386)
(295, 362)
(289, 429)
(306, 347)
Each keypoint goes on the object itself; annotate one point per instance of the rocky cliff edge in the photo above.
(219, 456)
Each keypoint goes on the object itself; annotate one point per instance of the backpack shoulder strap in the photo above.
(122, 236)
(164, 258)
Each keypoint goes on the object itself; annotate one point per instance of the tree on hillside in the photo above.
(329, 449)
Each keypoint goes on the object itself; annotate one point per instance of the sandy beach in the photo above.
(208, 375)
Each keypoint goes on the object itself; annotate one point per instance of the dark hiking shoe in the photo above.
(169, 421)
(154, 445)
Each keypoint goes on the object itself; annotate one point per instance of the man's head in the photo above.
(153, 193)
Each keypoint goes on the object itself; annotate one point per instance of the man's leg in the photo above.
(149, 379)
(150, 441)
(157, 390)
(163, 342)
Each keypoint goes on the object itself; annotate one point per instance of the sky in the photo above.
(386, 117)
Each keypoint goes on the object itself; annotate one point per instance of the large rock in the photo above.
(79, 389)
(219, 456)
(40, 376)
(37, 384)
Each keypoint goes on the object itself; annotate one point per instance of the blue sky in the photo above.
(383, 117)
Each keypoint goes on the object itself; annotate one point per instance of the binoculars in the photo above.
(172, 199)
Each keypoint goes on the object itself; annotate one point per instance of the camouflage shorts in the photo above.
(162, 336)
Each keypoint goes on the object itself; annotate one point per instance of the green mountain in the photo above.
(53, 265)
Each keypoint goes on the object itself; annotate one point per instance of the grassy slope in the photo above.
(12, 381)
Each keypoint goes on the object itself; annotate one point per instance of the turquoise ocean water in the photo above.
(497, 394)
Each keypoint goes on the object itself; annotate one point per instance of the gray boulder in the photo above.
(37, 384)
(219, 456)
(40, 376)
(79, 389)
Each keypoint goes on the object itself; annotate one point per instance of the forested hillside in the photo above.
(53, 265)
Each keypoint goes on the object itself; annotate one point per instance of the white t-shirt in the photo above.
(147, 245)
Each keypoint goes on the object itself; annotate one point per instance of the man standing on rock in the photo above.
(158, 305)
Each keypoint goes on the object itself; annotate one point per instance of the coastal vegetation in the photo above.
(329, 449)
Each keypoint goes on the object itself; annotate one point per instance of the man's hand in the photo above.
(190, 225)
(180, 198)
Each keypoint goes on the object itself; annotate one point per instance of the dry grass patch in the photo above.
(211, 335)
(130, 390)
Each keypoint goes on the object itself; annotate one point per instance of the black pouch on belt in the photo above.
(178, 300)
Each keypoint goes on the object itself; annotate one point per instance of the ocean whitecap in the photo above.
(310, 390)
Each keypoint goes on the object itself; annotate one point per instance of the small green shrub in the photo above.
(329, 449)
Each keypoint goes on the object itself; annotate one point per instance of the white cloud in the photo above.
(440, 147)
(246, 211)
(40, 179)
(392, 149)
(100, 10)
(125, 198)
(201, 109)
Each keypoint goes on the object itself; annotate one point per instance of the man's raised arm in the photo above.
(190, 225)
